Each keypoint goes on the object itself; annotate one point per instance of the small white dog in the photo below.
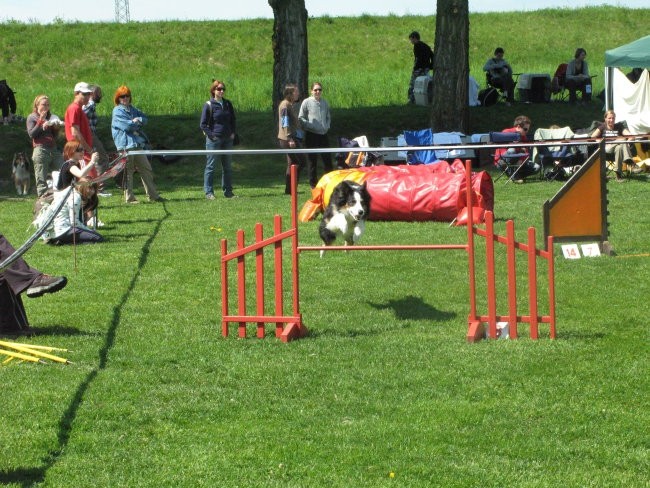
(20, 173)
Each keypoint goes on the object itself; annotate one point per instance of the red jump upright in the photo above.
(290, 326)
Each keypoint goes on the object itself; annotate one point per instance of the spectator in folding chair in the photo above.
(578, 78)
(620, 152)
(516, 162)
(16, 278)
(499, 75)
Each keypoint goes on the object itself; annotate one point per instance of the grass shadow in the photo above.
(27, 477)
(413, 308)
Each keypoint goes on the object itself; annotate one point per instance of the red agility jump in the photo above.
(290, 326)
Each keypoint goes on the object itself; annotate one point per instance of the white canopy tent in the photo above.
(631, 101)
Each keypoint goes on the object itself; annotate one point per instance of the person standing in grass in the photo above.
(422, 63)
(90, 109)
(290, 134)
(43, 129)
(126, 126)
(218, 124)
(7, 102)
(316, 120)
(77, 125)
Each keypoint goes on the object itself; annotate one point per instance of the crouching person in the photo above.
(77, 205)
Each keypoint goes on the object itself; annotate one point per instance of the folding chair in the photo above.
(490, 83)
(513, 157)
(560, 157)
(353, 159)
(422, 137)
(559, 92)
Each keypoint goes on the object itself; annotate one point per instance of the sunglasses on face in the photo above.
(220, 88)
(124, 96)
(318, 89)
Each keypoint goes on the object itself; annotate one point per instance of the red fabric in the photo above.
(424, 192)
(501, 150)
(74, 115)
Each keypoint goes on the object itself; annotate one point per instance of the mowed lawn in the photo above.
(384, 391)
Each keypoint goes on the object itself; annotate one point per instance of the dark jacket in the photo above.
(423, 56)
(218, 119)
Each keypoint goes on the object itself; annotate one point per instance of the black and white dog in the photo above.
(346, 214)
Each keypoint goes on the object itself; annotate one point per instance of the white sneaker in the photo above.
(94, 222)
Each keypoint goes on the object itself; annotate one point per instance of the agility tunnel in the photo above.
(410, 193)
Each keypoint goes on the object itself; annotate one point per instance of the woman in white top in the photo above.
(68, 225)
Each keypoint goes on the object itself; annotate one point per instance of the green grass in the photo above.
(385, 381)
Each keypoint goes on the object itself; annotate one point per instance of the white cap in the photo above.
(82, 87)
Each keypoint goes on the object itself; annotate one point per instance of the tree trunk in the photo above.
(290, 62)
(450, 110)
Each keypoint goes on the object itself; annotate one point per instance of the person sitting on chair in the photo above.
(577, 77)
(621, 152)
(17, 278)
(504, 162)
(499, 75)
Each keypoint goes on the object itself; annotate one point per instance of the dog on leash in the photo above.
(346, 214)
(20, 173)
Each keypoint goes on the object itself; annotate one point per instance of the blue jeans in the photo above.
(226, 166)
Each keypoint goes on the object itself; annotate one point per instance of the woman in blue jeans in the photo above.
(218, 125)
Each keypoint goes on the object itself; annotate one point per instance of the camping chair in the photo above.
(355, 159)
(561, 158)
(422, 137)
(559, 92)
(490, 83)
(514, 157)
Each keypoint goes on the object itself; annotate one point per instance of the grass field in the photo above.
(384, 391)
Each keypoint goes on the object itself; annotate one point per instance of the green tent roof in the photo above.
(633, 55)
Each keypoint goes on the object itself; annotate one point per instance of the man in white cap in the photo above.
(77, 125)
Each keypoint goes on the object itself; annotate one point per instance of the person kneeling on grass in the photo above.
(504, 162)
(19, 277)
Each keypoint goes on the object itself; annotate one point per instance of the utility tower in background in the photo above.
(122, 11)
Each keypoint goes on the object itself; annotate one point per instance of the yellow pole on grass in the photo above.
(19, 355)
(33, 346)
(33, 352)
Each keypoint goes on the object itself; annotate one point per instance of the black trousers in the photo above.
(317, 141)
